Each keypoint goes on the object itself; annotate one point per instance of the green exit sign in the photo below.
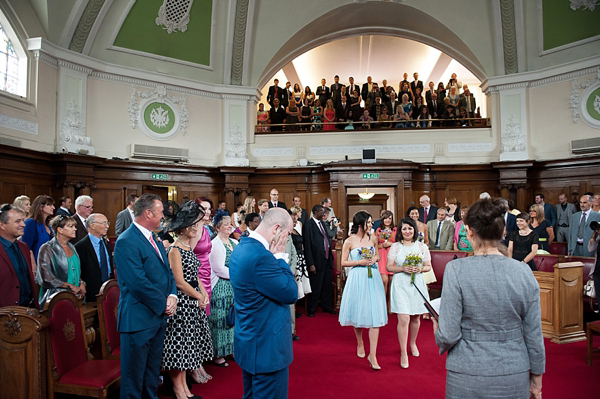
(370, 176)
(160, 176)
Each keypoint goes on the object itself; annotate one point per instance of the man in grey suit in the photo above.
(441, 232)
(564, 211)
(579, 228)
(125, 217)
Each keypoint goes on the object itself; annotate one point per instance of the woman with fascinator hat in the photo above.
(187, 340)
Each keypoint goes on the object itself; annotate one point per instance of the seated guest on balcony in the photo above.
(58, 263)
(222, 292)
(541, 226)
(461, 241)
(16, 277)
(262, 118)
(393, 103)
(23, 202)
(462, 117)
(495, 347)
(449, 113)
(309, 96)
(355, 100)
(94, 255)
(422, 230)
(424, 119)
(64, 206)
(376, 108)
(441, 91)
(366, 120)
(349, 119)
(400, 117)
(523, 243)
(187, 341)
(292, 119)
(370, 100)
(454, 96)
(297, 94)
(316, 114)
(385, 120)
(341, 111)
(329, 116)
(277, 116)
(407, 105)
(405, 89)
(37, 228)
(305, 115)
(363, 300)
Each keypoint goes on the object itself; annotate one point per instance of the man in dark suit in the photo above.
(427, 212)
(341, 111)
(392, 104)
(336, 91)
(323, 93)
(17, 287)
(370, 98)
(275, 93)
(275, 203)
(94, 256)
(64, 206)
(510, 222)
(277, 115)
(148, 297)
(304, 217)
(367, 88)
(125, 217)
(435, 108)
(319, 259)
(264, 287)
(416, 83)
(84, 206)
(467, 101)
(548, 209)
(352, 86)
(287, 94)
(430, 92)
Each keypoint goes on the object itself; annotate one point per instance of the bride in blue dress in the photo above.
(363, 301)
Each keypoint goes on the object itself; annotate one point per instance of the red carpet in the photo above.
(326, 366)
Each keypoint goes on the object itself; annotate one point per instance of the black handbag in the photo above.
(230, 320)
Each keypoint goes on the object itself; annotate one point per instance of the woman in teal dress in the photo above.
(363, 301)
(461, 241)
(58, 263)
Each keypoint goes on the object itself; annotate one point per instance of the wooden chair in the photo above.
(593, 328)
(108, 304)
(439, 259)
(69, 369)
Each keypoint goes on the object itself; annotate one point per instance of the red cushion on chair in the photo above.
(439, 259)
(93, 373)
(545, 263)
(588, 263)
(116, 351)
(110, 305)
(66, 337)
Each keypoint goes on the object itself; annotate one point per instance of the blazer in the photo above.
(263, 288)
(280, 204)
(271, 94)
(123, 222)
(81, 231)
(323, 95)
(61, 211)
(304, 218)
(365, 90)
(90, 267)
(446, 235)
(549, 214)
(432, 215)
(53, 269)
(563, 217)
(9, 282)
(511, 224)
(413, 87)
(490, 317)
(462, 102)
(314, 248)
(145, 281)
(587, 232)
(35, 235)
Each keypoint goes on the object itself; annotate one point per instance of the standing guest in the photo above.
(249, 204)
(304, 217)
(579, 227)
(495, 347)
(510, 220)
(386, 236)
(548, 209)
(416, 83)
(277, 116)
(461, 241)
(290, 250)
(454, 96)
(467, 101)
(37, 230)
(222, 292)
(236, 218)
(305, 115)
(392, 104)
(523, 243)
(125, 217)
(58, 263)
(355, 100)
(287, 95)
(441, 91)
(427, 211)
(363, 300)
(302, 278)
(293, 112)
(308, 96)
(564, 211)
(596, 203)
(275, 203)
(16, 278)
(336, 91)
(592, 247)
(453, 209)
(405, 300)
(148, 297)
(329, 116)
(297, 95)
(352, 86)
(262, 118)
(405, 90)
(323, 93)
(275, 93)
(430, 92)
(434, 106)
(423, 232)
(454, 82)
(187, 339)
(202, 245)
(23, 202)
(319, 259)
(316, 114)
(263, 287)
(367, 88)
(541, 226)
(263, 206)
(96, 260)
(417, 108)
(64, 206)
(84, 206)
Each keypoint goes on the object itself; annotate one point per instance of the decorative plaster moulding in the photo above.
(274, 152)
(19, 124)
(174, 15)
(470, 147)
(384, 149)
(578, 102)
(160, 115)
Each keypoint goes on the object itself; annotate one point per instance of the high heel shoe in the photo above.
(404, 365)
(361, 355)
(373, 366)
(414, 351)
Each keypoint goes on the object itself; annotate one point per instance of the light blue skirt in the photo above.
(363, 301)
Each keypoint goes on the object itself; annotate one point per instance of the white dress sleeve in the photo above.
(394, 249)
(424, 249)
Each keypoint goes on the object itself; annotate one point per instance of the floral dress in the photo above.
(317, 119)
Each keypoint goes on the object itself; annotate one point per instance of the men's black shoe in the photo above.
(330, 311)
(295, 337)
(310, 314)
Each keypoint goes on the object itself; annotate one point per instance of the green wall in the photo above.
(140, 32)
(562, 25)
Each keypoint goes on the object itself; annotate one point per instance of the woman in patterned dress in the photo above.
(262, 117)
(201, 244)
(187, 339)
(461, 241)
(317, 116)
(222, 292)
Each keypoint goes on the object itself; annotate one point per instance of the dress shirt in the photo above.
(96, 244)
(66, 210)
(20, 265)
(261, 239)
(131, 213)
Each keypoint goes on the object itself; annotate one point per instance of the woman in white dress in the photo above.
(405, 300)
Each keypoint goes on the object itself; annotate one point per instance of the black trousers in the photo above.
(321, 286)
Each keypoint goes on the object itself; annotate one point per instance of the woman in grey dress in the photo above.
(490, 322)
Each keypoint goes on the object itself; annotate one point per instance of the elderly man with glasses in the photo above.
(84, 206)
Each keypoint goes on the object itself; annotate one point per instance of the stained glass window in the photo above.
(9, 65)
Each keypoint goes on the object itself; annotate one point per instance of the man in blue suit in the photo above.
(148, 296)
(264, 287)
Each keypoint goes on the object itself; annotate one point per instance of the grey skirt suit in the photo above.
(490, 326)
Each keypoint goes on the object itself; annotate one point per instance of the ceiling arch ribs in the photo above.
(88, 25)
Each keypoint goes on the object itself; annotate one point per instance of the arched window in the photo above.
(13, 61)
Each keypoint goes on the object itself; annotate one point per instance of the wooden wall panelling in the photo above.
(108, 200)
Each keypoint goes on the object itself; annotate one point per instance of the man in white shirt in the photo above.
(275, 203)
(579, 228)
(125, 217)
(427, 212)
(441, 232)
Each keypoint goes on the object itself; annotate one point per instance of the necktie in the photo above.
(276, 91)
(155, 246)
(425, 215)
(581, 227)
(437, 238)
(325, 240)
(103, 261)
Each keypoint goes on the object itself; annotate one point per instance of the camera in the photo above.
(594, 225)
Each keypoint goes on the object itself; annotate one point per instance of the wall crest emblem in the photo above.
(160, 115)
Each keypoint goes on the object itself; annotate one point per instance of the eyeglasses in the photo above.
(88, 206)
